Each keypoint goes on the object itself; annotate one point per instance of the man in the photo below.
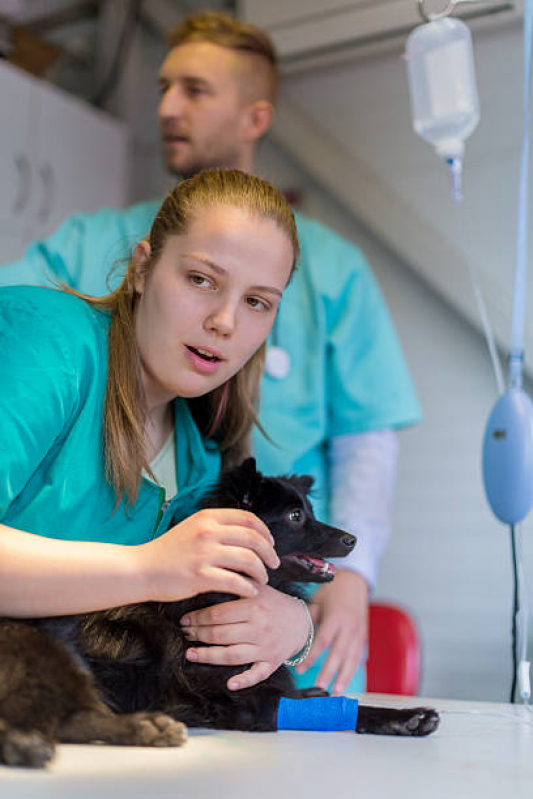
(335, 385)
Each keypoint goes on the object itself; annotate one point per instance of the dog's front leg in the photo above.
(250, 710)
(306, 693)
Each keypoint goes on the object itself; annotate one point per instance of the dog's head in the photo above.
(300, 540)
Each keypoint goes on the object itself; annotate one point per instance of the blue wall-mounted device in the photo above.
(508, 457)
(508, 443)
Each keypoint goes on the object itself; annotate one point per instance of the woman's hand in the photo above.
(220, 549)
(265, 630)
(340, 613)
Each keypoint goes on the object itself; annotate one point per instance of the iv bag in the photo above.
(442, 83)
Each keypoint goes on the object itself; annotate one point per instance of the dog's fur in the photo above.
(120, 676)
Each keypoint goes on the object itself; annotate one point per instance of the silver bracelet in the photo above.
(308, 644)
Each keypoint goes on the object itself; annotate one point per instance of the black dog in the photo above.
(120, 676)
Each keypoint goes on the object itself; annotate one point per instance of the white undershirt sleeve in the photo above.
(362, 476)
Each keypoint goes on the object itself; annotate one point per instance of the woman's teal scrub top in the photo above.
(53, 372)
(347, 371)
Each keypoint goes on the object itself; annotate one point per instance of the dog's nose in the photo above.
(349, 541)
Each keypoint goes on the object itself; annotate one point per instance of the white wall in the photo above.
(449, 559)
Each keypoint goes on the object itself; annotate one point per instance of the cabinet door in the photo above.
(80, 159)
(16, 177)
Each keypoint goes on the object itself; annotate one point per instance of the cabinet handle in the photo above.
(24, 173)
(49, 194)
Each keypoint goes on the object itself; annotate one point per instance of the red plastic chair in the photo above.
(393, 665)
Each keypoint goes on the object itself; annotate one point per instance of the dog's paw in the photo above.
(158, 729)
(416, 721)
(30, 749)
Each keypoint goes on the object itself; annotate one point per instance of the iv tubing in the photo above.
(521, 253)
(517, 341)
(480, 301)
(524, 685)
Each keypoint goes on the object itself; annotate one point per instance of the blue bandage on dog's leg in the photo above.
(318, 713)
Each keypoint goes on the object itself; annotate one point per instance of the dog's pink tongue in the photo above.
(322, 565)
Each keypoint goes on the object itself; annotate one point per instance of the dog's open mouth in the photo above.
(314, 568)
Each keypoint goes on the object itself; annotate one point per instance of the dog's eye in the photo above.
(296, 515)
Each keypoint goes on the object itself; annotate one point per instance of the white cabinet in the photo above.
(58, 155)
(17, 122)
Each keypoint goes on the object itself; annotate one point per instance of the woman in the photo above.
(114, 414)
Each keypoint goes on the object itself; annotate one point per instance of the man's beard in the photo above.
(186, 172)
(228, 161)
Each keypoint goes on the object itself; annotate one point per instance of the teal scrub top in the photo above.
(347, 371)
(53, 373)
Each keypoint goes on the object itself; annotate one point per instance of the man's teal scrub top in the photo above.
(347, 372)
(53, 374)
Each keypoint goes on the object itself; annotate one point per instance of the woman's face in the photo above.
(208, 302)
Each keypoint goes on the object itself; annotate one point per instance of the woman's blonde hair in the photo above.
(225, 414)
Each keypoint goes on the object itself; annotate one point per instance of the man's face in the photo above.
(202, 113)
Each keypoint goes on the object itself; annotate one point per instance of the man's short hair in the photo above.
(241, 37)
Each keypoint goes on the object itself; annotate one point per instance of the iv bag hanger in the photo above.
(431, 16)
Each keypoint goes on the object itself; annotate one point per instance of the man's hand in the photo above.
(340, 613)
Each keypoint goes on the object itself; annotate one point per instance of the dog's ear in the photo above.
(237, 487)
(248, 467)
(249, 480)
(305, 481)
